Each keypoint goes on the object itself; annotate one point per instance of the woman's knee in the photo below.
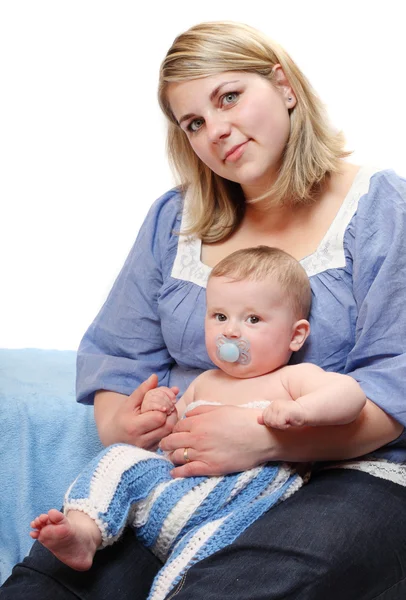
(41, 576)
(339, 537)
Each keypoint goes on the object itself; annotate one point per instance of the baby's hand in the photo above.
(162, 399)
(282, 414)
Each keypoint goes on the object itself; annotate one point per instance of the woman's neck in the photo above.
(296, 229)
(260, 218)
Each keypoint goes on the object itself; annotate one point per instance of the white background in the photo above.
(82, 141)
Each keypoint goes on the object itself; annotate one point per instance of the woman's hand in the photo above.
(232, 440)
(227, 442)
(119, 419)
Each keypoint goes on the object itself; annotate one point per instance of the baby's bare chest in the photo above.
(226, 390)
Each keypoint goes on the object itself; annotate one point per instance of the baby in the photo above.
(258, 301)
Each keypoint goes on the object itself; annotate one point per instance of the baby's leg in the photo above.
(110, 488)
(126, 485)
(73, 538)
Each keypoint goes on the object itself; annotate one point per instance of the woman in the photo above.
(258, 164)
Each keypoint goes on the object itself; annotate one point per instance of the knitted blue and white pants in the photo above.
(181, 520)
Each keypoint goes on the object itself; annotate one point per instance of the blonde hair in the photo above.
(312, 151)
(262, 262)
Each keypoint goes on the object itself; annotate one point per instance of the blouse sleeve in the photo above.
(376, 248)
(124, 344)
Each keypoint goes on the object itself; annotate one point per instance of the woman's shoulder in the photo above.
(168, 206)
(371, 181)
(386, 187)
(383, 200)
(377, 197)
(387, 175)
(376, 233)
(385, 183)
(163, 219)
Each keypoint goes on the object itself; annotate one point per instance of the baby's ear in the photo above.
(300, 333)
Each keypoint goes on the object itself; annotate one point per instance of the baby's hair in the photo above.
(262, 262)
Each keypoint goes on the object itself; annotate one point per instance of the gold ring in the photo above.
(186, 455)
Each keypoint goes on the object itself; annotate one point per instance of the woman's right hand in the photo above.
(119, 419)
(219, 439)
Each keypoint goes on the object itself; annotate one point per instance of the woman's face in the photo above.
(237, 123)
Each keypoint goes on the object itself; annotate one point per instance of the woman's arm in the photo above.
(372, 429)
(232, 440)
(125, 344)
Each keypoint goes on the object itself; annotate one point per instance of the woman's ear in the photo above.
(300, 333)
(284, 86)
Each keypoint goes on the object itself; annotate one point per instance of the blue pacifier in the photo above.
(229, 352)
(233, 351)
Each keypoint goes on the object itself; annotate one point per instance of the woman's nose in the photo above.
(218, 127)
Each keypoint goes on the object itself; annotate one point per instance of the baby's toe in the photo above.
(55, 515)
(42, 520)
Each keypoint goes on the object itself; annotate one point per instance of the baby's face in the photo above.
(255, 312)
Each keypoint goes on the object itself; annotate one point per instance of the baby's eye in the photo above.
(195, 125)
(229, 98)
(253, 319)
(220, 317)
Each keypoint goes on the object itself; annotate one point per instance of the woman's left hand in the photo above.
(227, 442)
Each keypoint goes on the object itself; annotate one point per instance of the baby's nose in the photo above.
(232, 330)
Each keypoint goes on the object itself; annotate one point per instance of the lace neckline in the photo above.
(329, 253)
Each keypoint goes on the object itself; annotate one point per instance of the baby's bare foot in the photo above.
(73, 539)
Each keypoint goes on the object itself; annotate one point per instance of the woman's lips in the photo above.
(235, 152)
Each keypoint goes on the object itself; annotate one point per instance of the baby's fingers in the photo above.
(170, 393)
(165, 406)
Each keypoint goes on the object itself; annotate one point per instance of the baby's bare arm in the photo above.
(326, 398)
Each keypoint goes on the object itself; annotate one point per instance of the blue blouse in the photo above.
(153, 318)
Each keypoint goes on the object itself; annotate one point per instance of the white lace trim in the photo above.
(261, 404)
(187, 265)
(377, 467)
(329, 254)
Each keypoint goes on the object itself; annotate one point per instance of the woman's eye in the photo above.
(230, 98)
(220, 317)
(253, 319)
(195, 125)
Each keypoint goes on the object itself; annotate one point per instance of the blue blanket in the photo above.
(46, 438)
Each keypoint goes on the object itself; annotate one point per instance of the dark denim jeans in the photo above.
(341, 537)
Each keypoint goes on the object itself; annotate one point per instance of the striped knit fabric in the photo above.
(181, 520)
